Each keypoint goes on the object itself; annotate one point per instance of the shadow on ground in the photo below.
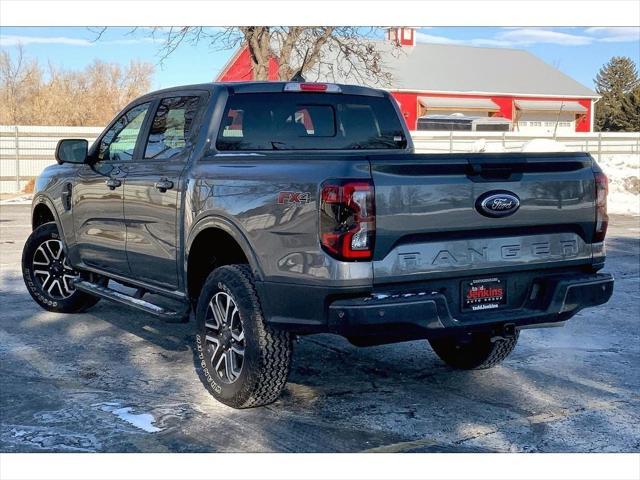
(115, 380)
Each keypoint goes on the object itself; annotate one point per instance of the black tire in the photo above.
(61, 298)
(476, 353)
(266, 352)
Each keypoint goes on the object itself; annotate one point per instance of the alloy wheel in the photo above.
(52, 270)
(225, 337)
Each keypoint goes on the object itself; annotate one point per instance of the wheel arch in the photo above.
(43, 211)
(236, 247)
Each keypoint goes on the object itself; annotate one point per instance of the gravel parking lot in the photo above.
(115, 380)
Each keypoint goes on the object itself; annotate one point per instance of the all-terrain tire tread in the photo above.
(76, 303)
(267, 376)
(276, 351)
(501, 350)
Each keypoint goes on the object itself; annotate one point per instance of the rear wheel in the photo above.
(476, 353)
(48, 275)
(243, 361)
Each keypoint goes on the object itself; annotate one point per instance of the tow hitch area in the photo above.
(508, 330)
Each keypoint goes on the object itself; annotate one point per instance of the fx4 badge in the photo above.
(293, 197)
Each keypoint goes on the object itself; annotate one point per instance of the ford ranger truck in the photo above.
(269, 210)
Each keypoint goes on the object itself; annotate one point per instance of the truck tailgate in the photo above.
(429, 222)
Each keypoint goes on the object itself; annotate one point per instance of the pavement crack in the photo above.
(543, 418)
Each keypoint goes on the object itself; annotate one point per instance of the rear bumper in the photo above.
(422, 314)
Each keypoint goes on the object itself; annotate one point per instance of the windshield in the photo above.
(309, 121)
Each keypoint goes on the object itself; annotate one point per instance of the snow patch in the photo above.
(623, 172)
(19, 200)
(143, 421)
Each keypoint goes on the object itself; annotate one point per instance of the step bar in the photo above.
(170, 316)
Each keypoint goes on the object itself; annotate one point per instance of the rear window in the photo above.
(303, 121)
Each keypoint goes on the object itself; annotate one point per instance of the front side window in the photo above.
(119, 142)
(302, 121)
(171, 127)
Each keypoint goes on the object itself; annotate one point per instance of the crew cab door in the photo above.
(153, 190)
(98, 195)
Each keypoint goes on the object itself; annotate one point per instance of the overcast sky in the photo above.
(579, 52)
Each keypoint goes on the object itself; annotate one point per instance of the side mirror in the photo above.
(72, 151)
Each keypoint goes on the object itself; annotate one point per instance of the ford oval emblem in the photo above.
(498, 204)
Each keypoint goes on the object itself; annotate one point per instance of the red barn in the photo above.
(437, 81)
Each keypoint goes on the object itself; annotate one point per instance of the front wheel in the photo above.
(48, 275)
(475, 353)
(243, 361)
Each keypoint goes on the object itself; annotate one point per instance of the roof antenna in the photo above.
(297, 77)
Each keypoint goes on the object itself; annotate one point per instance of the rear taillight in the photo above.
(602, 219)
(347, 219)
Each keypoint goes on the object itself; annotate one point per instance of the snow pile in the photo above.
(543, 145)
(623, 171)
(482, 146)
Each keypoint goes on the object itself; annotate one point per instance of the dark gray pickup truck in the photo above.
(272, 210)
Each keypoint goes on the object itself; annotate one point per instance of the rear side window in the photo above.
(303, 121)
(171, 127)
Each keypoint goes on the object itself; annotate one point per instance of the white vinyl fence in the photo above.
(26, 150)
(460, 142)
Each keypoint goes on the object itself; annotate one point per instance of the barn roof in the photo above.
(460, 68)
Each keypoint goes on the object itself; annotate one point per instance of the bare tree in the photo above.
(15, 75)
(338, 52)
(32, 95)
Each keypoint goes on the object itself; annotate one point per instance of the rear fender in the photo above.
(228, 227)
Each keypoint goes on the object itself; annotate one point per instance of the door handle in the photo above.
(112, 183)
(163, 185)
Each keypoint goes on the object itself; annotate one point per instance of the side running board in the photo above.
(170, 316)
